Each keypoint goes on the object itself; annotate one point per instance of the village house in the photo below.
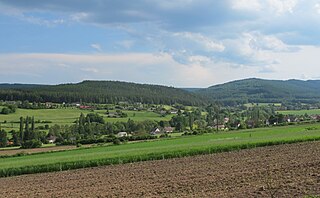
(168, 129)
(52, 139)
(173, 112)
(220, 127)
(122, 134)
(155, 131)
(49, 105)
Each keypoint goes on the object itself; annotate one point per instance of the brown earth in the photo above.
(283, 171)
(38, 150)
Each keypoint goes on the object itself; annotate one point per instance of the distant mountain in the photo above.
(99, 92)
(18, 86)
(232, 93)
(265, 91)
(191, 89)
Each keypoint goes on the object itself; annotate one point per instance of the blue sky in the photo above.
(181, 43)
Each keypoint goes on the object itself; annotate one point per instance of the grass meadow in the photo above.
(69, 115)
(160, 149)
(300, 112)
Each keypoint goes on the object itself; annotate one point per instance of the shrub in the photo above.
(116, 141)
(31, 144)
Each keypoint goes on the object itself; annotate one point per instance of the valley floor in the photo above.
(283, 171)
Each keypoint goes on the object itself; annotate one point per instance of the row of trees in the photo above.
(93, 126)
(28, 136)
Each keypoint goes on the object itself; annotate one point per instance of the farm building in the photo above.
(155, 131)
(52, 139)
(122, 134)
(168, 129)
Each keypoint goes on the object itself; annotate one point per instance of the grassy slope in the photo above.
(265, 91)
(185, 144)
(300, 112)
(68, 116)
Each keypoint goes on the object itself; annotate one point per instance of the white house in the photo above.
(155, 131)
(52, 139)
(122, 134)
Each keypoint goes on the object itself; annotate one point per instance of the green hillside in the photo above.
(99, 92)
(264, 91)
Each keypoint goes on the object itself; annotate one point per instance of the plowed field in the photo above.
(283, 171)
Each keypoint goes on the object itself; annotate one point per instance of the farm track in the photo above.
(285, 170)
(37, 150)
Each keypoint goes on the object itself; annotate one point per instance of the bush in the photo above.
(165, 136)
(31, 144)
(116, 141)
(5, 111)
(91, 141)
(65, 142)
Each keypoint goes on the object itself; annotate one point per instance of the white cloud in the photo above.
(268, 42)
(96, 47)
(205, 42)
(151, 68)
(169, 4)
(317, 7)
(204, 37)
(90, 69)
(185, 46)
(282, 6)
(127, 44)
(254, 5)
(79, 16)
(199, 60)
(267, 69)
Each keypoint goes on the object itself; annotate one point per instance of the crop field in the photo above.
(69, 115)
(276, 171)
(161, 149)
(301, 112)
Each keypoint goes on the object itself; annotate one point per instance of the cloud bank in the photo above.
(205, 41)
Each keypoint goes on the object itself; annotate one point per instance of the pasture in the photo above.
(66, 116)
(300, 112)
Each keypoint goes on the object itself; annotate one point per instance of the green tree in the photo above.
(191, 120)
(26, 130)
(5, 110)
(3, 138)
(21, 132)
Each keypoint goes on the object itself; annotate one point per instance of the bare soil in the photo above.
(39, 150)
(277, 171)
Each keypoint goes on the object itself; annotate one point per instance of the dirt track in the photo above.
(39, 150)
(286, 170)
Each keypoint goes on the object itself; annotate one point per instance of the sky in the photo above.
(180, 43)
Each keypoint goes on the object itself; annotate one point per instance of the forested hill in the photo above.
(99, 92)
(258, 90)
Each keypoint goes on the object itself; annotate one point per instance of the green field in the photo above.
(69, 115)
(262, 104)
(175, 147)
(300, 112)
